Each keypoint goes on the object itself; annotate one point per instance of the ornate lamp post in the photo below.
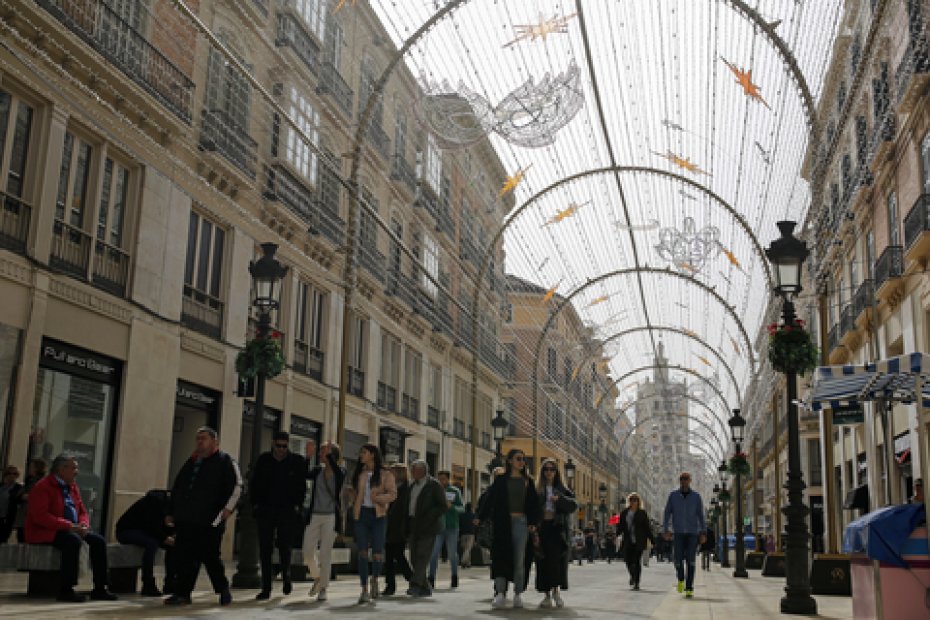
(499, 427)
(787, 254)
(266, 274)
(602, 509)
(570, 473)
(737, 425)
(715, 512)
(724, 497)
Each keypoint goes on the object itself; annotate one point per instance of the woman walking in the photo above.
(372, 492)
(512, 505)
(557, 504)
(635, 531)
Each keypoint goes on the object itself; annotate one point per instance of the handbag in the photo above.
(564, 506)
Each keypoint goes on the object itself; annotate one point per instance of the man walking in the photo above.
(685, 510)
(57, 515)
(277, 490)
(325, 508)
(449, 534)
(396, 540)
(203, 497)
(426, 505)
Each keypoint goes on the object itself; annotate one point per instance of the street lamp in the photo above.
(723, 495)
(602, 509)
(266, 274)
(737, 426)
(570, 473)
(499, 427)
(788, 254)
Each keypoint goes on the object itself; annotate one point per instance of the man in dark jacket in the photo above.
(396, 539)
(276, 492)
(204, 496)
(143, 524)
(426, 504)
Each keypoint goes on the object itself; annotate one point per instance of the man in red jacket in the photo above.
(57, 515)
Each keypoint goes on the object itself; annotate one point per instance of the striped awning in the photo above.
(894, 379)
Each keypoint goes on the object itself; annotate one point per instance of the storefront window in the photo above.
(194, 407)
(75, 407)
(9, 359)
(302, 431)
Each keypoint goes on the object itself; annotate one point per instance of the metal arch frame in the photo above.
(709, 454)
(567, 300)
(683, 332)
(718, 444)
(627, 406)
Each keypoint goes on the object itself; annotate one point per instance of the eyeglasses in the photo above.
(282, 446)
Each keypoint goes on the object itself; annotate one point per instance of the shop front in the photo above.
(271, 423)
(10, 343)
(75, 412)
(391, 441)
(195, 406)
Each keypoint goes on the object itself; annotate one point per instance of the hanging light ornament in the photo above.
(688, 249)
(565, 213)
(682, 162)
(744, 79)
(541, 29)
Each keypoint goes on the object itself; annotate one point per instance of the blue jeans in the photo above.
(685, 551)
(451, 539)
(518, 537)
(369, 531)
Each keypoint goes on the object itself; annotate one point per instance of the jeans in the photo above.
(685, 551)
(468, 541)
(451, 540)
(69, 544)
(320, 531)
(518, 536)
(633, 556)
(369, 531)
(705, 559)
(150, 546)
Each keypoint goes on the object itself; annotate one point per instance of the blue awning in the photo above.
(884, 534)
(893, 379)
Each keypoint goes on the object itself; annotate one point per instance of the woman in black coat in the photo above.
(513, 507)
(635, 530)
(556, 503)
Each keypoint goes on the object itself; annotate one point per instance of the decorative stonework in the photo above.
(416, 327)
(439, 344)
(393, 310)
(78, 295)
(13, 270)
(193, 343)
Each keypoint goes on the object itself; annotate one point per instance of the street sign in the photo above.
(848, 415)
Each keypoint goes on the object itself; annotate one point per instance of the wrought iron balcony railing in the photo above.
(14, 223)
(864, 297)
(333, 84)
(308, 360)
(202, 312)
(220, 133)
(917, 220)
(889, 265)
(848, 319)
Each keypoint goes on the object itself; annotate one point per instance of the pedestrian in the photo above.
(578, 542)
(35, 472)
(276, 492)
(323, 520)
(467, 534)
(57, 516)
(512, 505)
(372, 491)
(557, 504)
(449, 534)
(204, 496)
(590, 541)
(707, 548)
(426, 505)
(685, 509)
(143, 525)
(610, 544)
(635, 532)
(396, 537)
(10, 496)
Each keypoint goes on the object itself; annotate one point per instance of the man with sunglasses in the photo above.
(277, 492)
(685, 510)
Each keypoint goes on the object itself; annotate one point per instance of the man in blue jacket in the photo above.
(685, 510)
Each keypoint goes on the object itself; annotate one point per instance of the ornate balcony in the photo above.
(881, 143)
(111, 268)
(70, 250)
(833, 338)
(291, 33)
(387, 397)
(911, 74)
(888, 271)
(220, 134)
(372, 261)
(308, 360)
(432, 416)
(410, 407)
(862, 302)
(356, 382)
(379, 140)
(916, 227)
(102, 28)
(202, 312)
(333, 84)
(14, 223)
(402, 171)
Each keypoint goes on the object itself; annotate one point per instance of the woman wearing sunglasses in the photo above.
(635, 531)
(512, 506)
(557, 504)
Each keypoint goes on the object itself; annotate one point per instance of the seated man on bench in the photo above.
(56, 515)
(143, 524)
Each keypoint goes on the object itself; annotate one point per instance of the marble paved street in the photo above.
(598, 591)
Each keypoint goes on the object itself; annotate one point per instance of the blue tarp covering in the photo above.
(882, 534)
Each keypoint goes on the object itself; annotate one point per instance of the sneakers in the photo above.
(322, 595)
(264, 595)
(689, 593)
(364, 598)
(288, 586)
(225, 597)
(498, 602)
(681, 587)
(546, 602)
(316, 589)
(517, 601)
(558, 600)
(177, 599)
(374, 588)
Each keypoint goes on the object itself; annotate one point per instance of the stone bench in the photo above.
(43, 563)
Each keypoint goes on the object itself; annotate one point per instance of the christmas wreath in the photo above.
(739, 465)
(724, 496)
(261, 355)
(791, 348)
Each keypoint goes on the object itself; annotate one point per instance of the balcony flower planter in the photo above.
(261, 356)
(739, 465)
(791, 348)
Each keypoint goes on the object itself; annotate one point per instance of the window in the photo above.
(228, 92)
(462, 407)
(112, 203)
(358, 337)
(15, 122)
(368, 230)
(431, 265)
(853, 272)
(308, 341)
(551, 364)
(72, 181)
(435, 386)
(433, 163)
(335, 39)
(394, 252)
(413, 368)
(400, 133)
(313, 13)
(202, 309)
(870, 254)
(300, 153)
(893, 235)
(925, 162)
(390, 372)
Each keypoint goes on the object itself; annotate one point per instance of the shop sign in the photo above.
(391, 442)
(75, 360)
(195, 395)
(270, 415)
(848, 415)
(306, 428)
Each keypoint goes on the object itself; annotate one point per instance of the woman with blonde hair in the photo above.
(634, 531)
(557, 503)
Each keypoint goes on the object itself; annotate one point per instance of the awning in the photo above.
(894, 379)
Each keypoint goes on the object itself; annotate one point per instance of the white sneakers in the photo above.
(316, 589)
(546, 602)
(558, 600)
(363, 597)
(322, 595)
(498, 602)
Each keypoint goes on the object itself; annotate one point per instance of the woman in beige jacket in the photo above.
(371, 493)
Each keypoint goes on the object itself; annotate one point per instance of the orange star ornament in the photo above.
(513, 181)
(682, 162)
(744, 79)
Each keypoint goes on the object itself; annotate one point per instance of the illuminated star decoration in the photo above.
(551, 292)
(513, 181)
(682, 162)
(735, 345)
(704, 360)
(731, 257)
(541, 30)
(744, 79)
(688, 249)
(565, 213)
(672, 125)
(599, 300)
(341, 4)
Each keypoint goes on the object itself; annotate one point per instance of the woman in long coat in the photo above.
(556, 503)
(513, 507)
(635, 530)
